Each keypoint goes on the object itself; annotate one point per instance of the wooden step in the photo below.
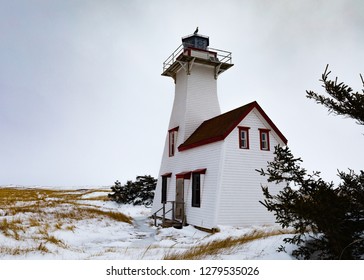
(170, 223)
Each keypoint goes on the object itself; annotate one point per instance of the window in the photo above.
(172, 138)
(164, 186)
(244, 137)
(264, 139)
(164, 189)
(196, 187)
(196, 190)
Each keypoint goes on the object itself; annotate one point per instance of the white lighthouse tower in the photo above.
(195, 68)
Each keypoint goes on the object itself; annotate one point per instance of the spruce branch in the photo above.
(342, 100)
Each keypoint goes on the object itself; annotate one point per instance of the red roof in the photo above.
(218, 128)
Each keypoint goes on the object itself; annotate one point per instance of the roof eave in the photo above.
(251, 106)
(183, 147)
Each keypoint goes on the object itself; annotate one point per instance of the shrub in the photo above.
(139, 192)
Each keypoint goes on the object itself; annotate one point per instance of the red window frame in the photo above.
(264, 131)
(196, 187)
(164, 186)
(172, 140)
(246, 130)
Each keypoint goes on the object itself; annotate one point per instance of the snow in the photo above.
(107, 239)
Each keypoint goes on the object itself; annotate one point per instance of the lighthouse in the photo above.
(207, 175)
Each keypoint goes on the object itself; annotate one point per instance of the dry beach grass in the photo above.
(30, 214)
(215, 247)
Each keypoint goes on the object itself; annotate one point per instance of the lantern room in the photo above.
(195, 41)
(195, 49)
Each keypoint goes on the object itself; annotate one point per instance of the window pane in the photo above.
(264, 140)
(172, 139)
(196, 197)
(164, 189)
(243, 135)
(244, 138)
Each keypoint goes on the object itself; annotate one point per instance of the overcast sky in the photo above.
(82, 101)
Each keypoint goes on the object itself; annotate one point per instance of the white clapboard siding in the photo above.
(202, 101)
(207, 156)
(240, 190)
(195, 100)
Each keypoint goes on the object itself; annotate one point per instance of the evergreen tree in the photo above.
(332, 217)
(328, 219)
(139, 192)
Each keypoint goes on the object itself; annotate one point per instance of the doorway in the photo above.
(180, 200)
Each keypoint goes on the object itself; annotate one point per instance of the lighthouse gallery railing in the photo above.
(221, 55)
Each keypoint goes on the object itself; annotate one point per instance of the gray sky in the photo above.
(82, 101)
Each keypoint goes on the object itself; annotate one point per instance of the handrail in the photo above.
(223, 56)
(226, 56)
(171, 59)
(154, 215)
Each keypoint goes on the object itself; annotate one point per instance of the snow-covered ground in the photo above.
(108, 239)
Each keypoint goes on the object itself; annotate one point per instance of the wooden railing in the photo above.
(221, 55)
(165, 212)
